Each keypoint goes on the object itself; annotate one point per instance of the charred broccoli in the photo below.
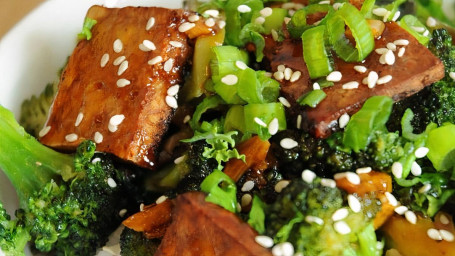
(134, 243)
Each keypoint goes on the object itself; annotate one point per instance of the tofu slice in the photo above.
(416, 69)
(110, 93)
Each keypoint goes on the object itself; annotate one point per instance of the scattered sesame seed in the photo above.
(401, 52)
(372, 79)
(384, 79)
(365, 80)
(273, 126)
(147, 46)
(325, 2)
(418, 29)
(194, 18)
(186, 119)
(171, 102)
(342, 227)
(122, 68)
(426, 33)
(340, 214)
(247, 186)
(316, 86)
(281, 185)
(229, 79)
(176, 44)
(112, 128)
(434, 234)
(260, 122)
(343, 120)
(111, 182)
(401, 42)
(96, 160)
(221, 24)
(397, 170)
(389, 57)
(123, 82)
(212, 12)
(421, 152)
(267, 11)
(337, 6)
(122, 213)
(295, 76)
(155, 60)
(186, 26)
(243, 8)
(411, 217)
(281, 68)
(104, 60)
(238, 207)
(328, 183)
(386, 16)
(334, 76)
(44, 131)
(241, 65)
(391, 46)
(286, 20)
(283, 249)
(431, 22)
(79, 118)
(285, 102)
(446, 235)
(173, 90)
(275, 35)
(363, 170)
(396, 16)
(351, 85)
(119, 60)
(299, 122)
(452, 75)
(444, 219)
(400, 210)
(354, 203)
(72, 137)
(425, 188)
(287, 73)
(416, 170)
(210, 22)
(382, 59)
(391, 198)
(168, 65)
(161, 199)
(98, 137)
(38, 163)
(116, 119)
(380, 12)
(150, 23)
(264, 241)
(308, 176)
(179, 159)
(288, 143)
(289, 5)
(360, 69)
(246, 200)
(381, 50)
(141, 207)
(353, 178)
(118, 45)
(313, 219)
(280, 75)
(339, 175)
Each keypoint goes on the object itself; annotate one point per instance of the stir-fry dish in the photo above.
(242, 127)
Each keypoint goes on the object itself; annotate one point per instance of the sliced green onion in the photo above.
(312, 98)
(236, 20)
(315, 53)
(206, 104)
(393, 8)
(409, 23)
(349, 15)
(265, 113)
(367, 8)
(441, 145)
(255, 87)
(251, 33)
(86, 32)
(235, 119)
(256, 217)
(221, 190)
(298, 23)
(273, 21)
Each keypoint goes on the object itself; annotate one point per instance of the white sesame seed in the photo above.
(212, 12)
(446, 235)
(260, 122)
(194, 18)
(342, 227)
(280, 75)
(186, 26)
(141, 207)
(221, 24)
(363, 170)
(267, 11)
(259, 20)
(328, 183)
(186, 119)
(401, 52)
(176, 44)
(150, 23)
(372, 79)
(229, 79)
(337, 6)
(38, 163)
(161, 199)
(354, 203)
(122, 68)
(122, 82)
(285, 102)
(343, 120)
(401, 42)
(119, 60)
(353, 178)
(79, 118)
(426, 33)
(273, 126)
(421, 152)
(243, 8)
(98, 137)
(173, 90)
(381, 50)
(360, 69)
(418, 29)
(171, 102)
(434, 234)
(325, 2)
(295, 76)
(425, 188)
(416, 170)
(168, 65)
(287, 73)
(283, 249)
(339, 175)
(299, 122)
(179, 159)
(96, 160)
(247, 186)
(72, 137)
(391, 198)
(122, 213)
(118, 45)
(264, 241)
(380, 12)
(391, 46)
(44, 131)
(452, 75)
(210, 22)
(340, 214)
(147, 46)
(389, 57)
(246, 200)
(286, 20)
(116, 119)
(411, 217)
(104, 60)
(351, 85)
(396, 16)
(397, 170)
(382, 59)
(289, 5)
(155, 60)
(241, 65)
(443, 219)
(112, 128)
(275, 35)
(268, 74)
(281, 68)
(238, 207)
(288, 143)
(308, 176)
(400, 210)
(384, 79)
(313, 219)
(334, 76)
(365, 80)
(281, 185)
(386, 16)
(431, 22)
(316, 86)
(111, 182)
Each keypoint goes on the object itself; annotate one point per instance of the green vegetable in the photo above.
(266, 113)
(298, 23)
(206, 104)
(256, 216)
(251, 33)
(235, 119)
(86, 32)
(436, 9)
(274, 21)
(263, 89)
(221, 190)
(441, 142)
(134, 243)
(314, 52)
(312, 98)
(14, 236)
(367, 8)
(408, 22)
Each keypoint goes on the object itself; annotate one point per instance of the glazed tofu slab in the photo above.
(119, 88)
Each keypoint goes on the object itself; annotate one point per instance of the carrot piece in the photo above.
(199, 30)
(255, 151)
(378, 182)
(384, 214)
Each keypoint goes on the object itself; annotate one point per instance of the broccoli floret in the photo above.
(134, 243)
(69, 204)
(13, 235)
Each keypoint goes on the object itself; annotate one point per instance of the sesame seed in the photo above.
(243, 8)
(98, 137)
(328, 183)
(122, 68)
(111, 182)
(340, 214)
(384, 79)
(339, 175)
(402, 42)
(173, 90)
(354, 203)
(360, 69)
(425, 188)
(401, 52)
(176, 44)
(431, 22)
(264, 241)
(275, 35)
(299, 122)
(247, 186)
(343, 120)
(334, 76)
(96, 160)
(372, 79)
(452, 75)
(212, 12)
(168, 65)
(286, 20)
(316, 86)
(389, 57)
(421, 152)
(229, 79)
(363, 170)
(268, 74)
(285, 102)
(119, 60)
(210, 22)
(434, 234)
(337, 6)
(186, 119)
(79, 118)
(273, 126)
(44, 131)
(396, 16)
(118, 45)
(443, 219)
(350, 85)
(365, 80)
(397, 170)
(267, 11)
(194, 18)
(416, 170)
(342, 227)
(259, 20)
(381, 50)
(281, 68)
(325, 2)
(391, 198)
(72, 137)
(426, 33)
(287, 73)
(123, 82)
(112, 128)
(171, 102)
(246, 200)
(104, 60)
(314, 219)
(418, 29)
(400, 210)
(116, 119)
(289, 5)
(281, 185)
(150, 23)
(283, 249)
(411, 217)
(241, 65)
(380, 12)
(221, 24)
(38, 163)
(147, 46)
(122, 213)
(386, 16)
(161, 199)
(141, 207)
(382, 59)
(308, 176)
(288, 143)
(155, 60)
(280, 75)
(186, 26)
(446, 235)
(295, 76)
(260, 122)
(353, 178)
(391, 46)
(179, 159)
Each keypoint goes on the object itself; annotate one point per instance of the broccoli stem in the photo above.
(28, 164)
